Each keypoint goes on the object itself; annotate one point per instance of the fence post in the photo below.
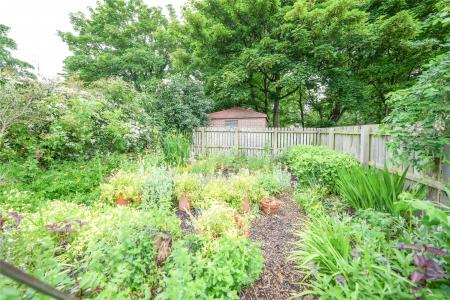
(203, 141)
(236, 140)
(331, 138)
(364, 147)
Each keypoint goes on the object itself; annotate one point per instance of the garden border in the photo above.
(364, 142)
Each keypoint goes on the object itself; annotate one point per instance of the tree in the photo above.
(237, 46)
(181, 102)
(124, 38)
(19, 99)
(420, 117)
(7, 61)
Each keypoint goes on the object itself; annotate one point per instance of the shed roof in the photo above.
(237, 113)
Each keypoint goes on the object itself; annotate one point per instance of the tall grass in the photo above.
(325, 246)
(176, 148)
(368, 188)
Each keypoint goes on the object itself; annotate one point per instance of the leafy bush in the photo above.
(218, 221)
(318, 165)
(311, 199)
(182, 103)
(232, 190)
(199, 271)
(115, 248)
(276, 182)
(157, 189)
(190, 186)
(77, 123)
(419, 117)
(230, 163)
(370, 188)
(123, 185)
(26, 185)
(176, 148)
(120, 252)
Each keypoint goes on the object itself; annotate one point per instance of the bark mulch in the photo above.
(276, 234)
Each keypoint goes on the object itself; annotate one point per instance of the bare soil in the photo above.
(276, 234)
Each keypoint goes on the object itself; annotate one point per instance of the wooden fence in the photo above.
(365, 143)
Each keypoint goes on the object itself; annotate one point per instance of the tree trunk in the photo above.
(266, 96)
(276, 107)
(300, 105)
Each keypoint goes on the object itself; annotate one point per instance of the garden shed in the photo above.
(238, 117)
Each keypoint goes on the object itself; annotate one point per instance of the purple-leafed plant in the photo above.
(14, 215)
(427, 269)
(64, 229)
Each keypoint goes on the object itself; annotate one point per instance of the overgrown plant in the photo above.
(419, 119)
(157, 189)
(123, 185)
(364, 188)
(276, 182)
(316, 165)
(176, 148)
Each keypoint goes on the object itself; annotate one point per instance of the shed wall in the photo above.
(251, 122)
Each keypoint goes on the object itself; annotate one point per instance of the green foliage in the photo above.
(176, 148)
(123, 185)
(226, 162)
(313, 199)
(434, 219)
(115, 248)
(7, 61)
(275, 183)
(218, 221)
(351, 259)
(361, 188)
(133, 39)
(157, 189)
(189, 186)
(69, 122)
(232, 190)
(182, 103)
(26, 185)
(199, 271)
(318, 165)
(419, 120)
(120, 252)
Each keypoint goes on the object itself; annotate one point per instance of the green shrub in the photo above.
(311, 199)
(189, 186)
(75, 181)
(120, 251)
(232, 190)
(157, 189)
(199, 271)
(123, 185)
(113, 246)
(230, 162)
(351, 259)
(368, 188)
(276, 182)
(218, 221)
(176, 148)
(316, 164)
(215, 190)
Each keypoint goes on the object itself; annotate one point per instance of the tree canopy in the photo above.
(119, 38)
(7, 61)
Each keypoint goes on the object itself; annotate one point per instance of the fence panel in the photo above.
(365, 143)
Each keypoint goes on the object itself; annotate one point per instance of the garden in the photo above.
(102, 197)
(162, 225)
